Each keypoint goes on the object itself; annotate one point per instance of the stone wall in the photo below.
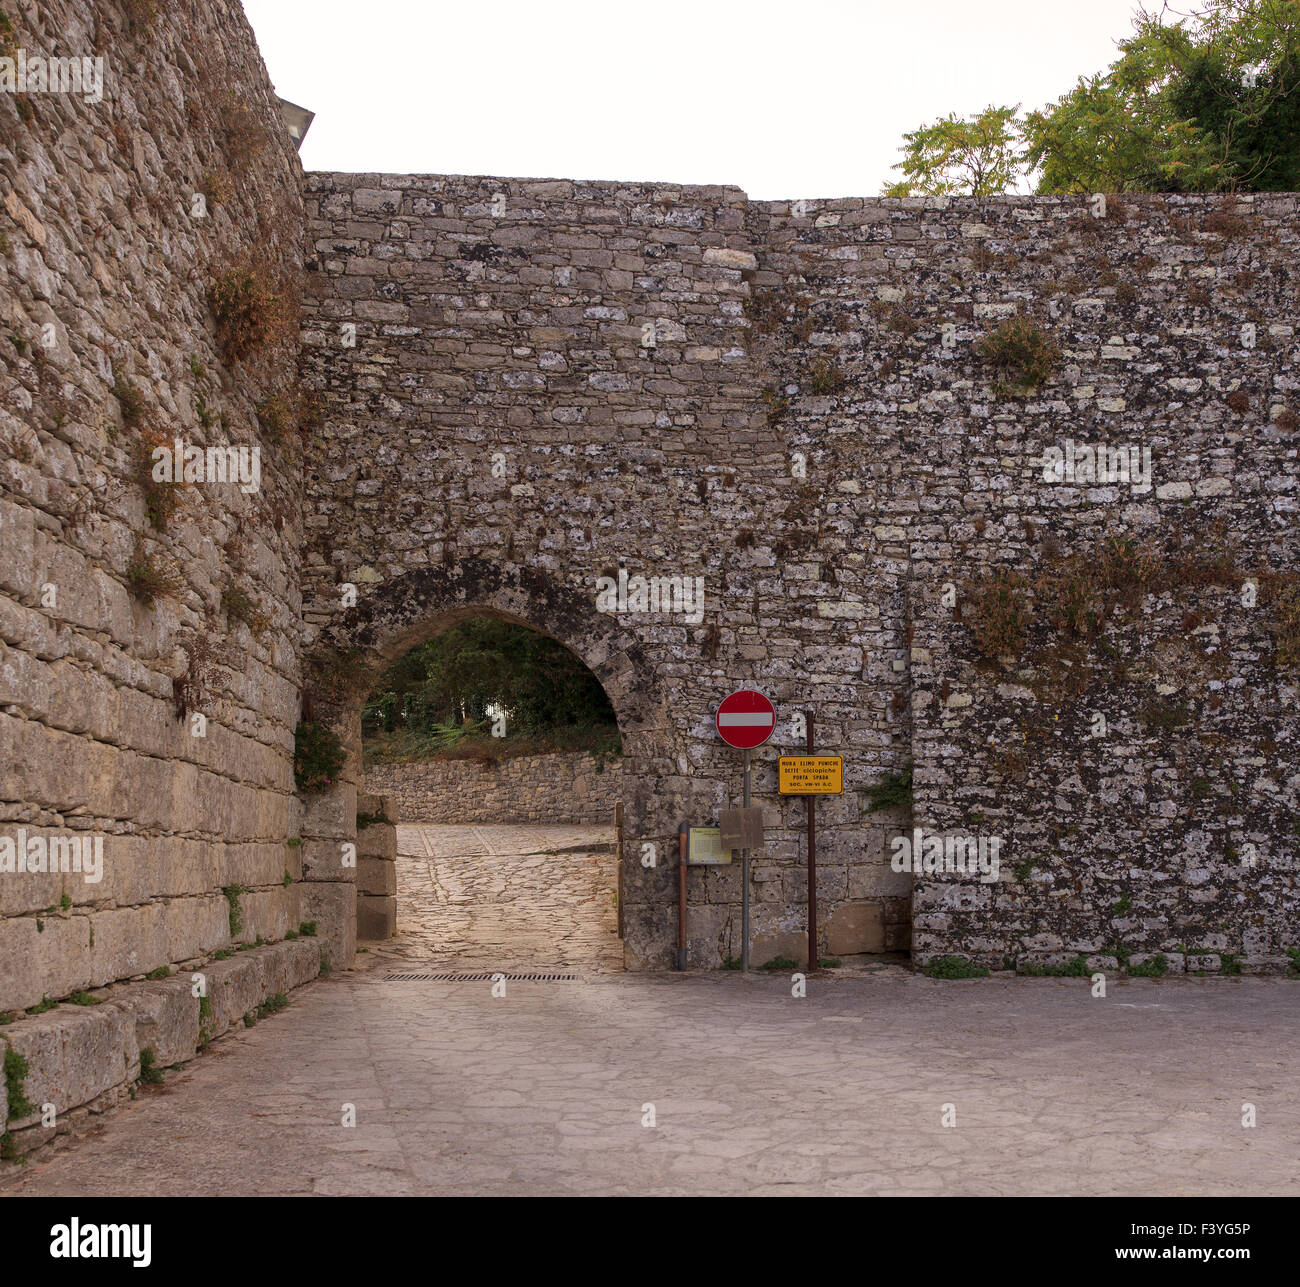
(525, 788)
(518, 403)
(532, 384)
(376, 867)
(130, 606)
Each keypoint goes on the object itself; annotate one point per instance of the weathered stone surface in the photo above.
(103, 247)
(855, 927)
(376, 876)
(523, 789)
(376, 915)
(377, 841)
(166, 1017)
(73, 1053)
(804, 393)
(556, 382)
(89, 1054)
(332, 906)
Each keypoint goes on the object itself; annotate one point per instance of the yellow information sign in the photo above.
(704, 848)
(811, 774)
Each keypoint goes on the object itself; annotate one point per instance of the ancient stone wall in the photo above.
(129, 606)
(1133, 752)
(376, 867)
(525, 788)
(531, 385)
(801, 423)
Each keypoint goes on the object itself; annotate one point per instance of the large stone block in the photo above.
(234, 988)
(376, 916)
(287, 965)
(42, 956)
(30, 891)
(73, 1053)
(376, 876)
(377, 841)
(65, 954)
(266, 914)
(855, 927)
(330, 814)
(21, 978)
(130, 940)
(197, 926)
(166, 1017)
(301, 961)
(333, 906)
(323, 860)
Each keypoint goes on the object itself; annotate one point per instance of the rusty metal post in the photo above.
(812, 863)
(618, 861)
(683, 832)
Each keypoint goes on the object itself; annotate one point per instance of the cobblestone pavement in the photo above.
(504, 897)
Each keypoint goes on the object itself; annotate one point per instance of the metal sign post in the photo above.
(744, 888)
(682, 832)
(812, 863)
(745, 720)
(810, 776)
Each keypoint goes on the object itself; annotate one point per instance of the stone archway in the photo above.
(394, 617)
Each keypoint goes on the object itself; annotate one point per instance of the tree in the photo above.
(1203, 101)
(1209, 102)
(975, 157)
(488, 662)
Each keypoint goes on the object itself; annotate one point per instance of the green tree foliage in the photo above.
(485, 662)
(1202, 101)
(957, 157)
(1210, 102)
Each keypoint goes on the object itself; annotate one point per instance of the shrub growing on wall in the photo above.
(1022, 355)
(248, 312)
(318, 757)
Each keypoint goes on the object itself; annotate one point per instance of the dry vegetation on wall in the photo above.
(153, 624)
(1083, 602)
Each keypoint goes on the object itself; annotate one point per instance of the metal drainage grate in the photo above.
(480, 978)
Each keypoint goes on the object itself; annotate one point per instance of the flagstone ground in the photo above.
(754, 1091)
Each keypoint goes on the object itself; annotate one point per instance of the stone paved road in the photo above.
(754, 1092)
(504, 897)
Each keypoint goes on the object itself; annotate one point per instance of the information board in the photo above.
(810, 775)
(704, 847)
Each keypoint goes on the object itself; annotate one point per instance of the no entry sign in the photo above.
(745, 719)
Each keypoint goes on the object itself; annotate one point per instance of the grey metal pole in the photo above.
(744, 888)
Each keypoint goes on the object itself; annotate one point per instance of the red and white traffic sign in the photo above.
(746, 719)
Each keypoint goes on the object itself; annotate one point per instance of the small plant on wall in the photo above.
(1022, 356)
(147, 579)
(334, 674)
(825, 377)
(162, 498)
(318, 757)
(248, 312)
(8, 37)
(1000, 615)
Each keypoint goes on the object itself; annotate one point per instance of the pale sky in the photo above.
(803, 98)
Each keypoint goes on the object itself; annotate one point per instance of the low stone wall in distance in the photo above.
(569, 787)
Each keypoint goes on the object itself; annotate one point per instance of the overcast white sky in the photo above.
(803, 98)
